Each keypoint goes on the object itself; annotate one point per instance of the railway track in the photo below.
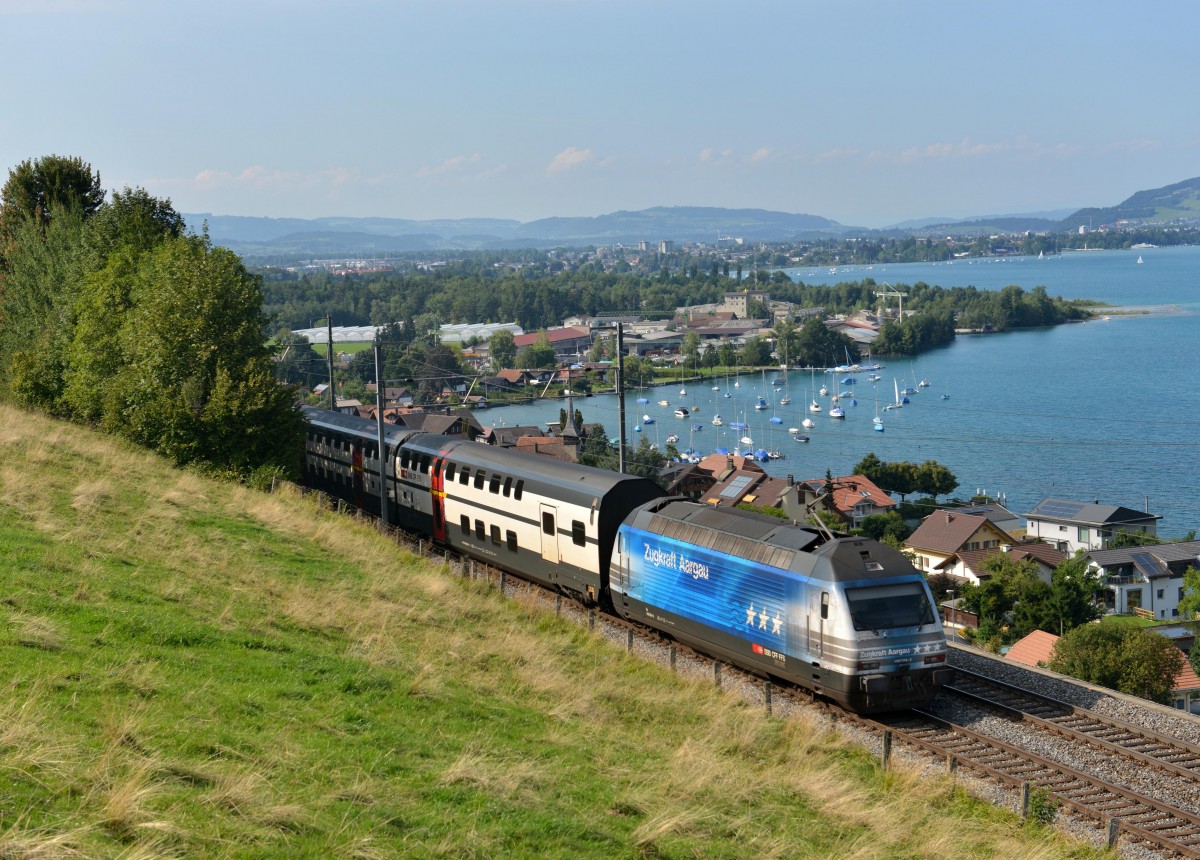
(1159, 825)
(1172, 756)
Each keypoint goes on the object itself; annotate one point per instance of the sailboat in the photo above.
(1139, 259)
(897, 404)
(878, 422)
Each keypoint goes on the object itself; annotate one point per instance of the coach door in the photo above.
(818, 611)
(549, 525)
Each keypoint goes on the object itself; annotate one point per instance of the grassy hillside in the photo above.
(193, 669)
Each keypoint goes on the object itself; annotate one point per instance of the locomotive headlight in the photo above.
(862, 664)
(936, 658)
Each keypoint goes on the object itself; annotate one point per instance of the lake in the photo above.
(1095, 411)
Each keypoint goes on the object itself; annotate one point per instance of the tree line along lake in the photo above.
(1101, 410)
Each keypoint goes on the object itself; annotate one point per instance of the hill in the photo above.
(259, 237)
(194, 669)
(1180, 201)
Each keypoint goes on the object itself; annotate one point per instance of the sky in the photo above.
(869, 112)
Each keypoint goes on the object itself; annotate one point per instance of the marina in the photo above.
(1080, 411)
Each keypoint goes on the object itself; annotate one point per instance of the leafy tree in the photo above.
(538, 354)
(114, 242)
(502, 348)
(197, 381)
(886, 525)
(1130, 659)
(755, 353)
(298, 363)
(1124, 540)
(37, 188)
(1190, 604)
(934, 479)
(36, 306)
(690, 349)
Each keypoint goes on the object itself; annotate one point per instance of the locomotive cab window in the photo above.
(885, 607)
(825, 605)
(578, 536)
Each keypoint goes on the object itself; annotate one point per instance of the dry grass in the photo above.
(218, 672)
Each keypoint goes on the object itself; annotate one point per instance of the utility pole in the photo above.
(332, 400)
(620, 399)
(383, 493)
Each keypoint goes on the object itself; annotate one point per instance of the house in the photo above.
(1146, 580)
(687, 479)
(567, 342)
(853, 498)
(970, 565)
(944, 534)
(1000, 516)
(1073, 526)
(739, 479)
(1037, 648)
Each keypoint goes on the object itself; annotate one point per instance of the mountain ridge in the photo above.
(265, 236)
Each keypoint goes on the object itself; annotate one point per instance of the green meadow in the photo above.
(195, 669)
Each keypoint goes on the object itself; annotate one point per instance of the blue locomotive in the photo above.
(848, 618)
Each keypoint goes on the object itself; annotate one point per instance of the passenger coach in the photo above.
(549, 521)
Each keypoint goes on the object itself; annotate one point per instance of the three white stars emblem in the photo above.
(762, 617)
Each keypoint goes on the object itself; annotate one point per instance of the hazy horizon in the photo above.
(865, 113)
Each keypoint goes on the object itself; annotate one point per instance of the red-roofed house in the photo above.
(854, 498)
(568, 341)
(969, 564)
(1037, 648)
(943, 534)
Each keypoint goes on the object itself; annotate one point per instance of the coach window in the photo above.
(511, 537)
(479, 529)
(449, 471)
(578, 537)
(424, 464)
(494, 484)
(465, 522)
(507, 487)
(479, 476)
(519, 490)
(404, 459)
(464, 477)
(496, 535)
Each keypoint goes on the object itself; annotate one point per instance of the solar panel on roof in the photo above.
(736, 486)
(1148, 564)
(1060, 509)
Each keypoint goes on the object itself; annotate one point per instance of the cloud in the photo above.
(450, 165)
(837, 154)
(208, 179)
(708, 155)
(569, 159)
(760, 154)
(1131, 147)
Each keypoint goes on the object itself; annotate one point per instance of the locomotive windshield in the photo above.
(883, 607)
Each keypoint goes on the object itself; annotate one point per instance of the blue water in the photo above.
(1103, 410)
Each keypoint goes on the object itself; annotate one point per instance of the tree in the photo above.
(690, 349)
(538, 354)
(37, 188)
(196, 381)
(36, 307)
(1189, 605)
(114, 242)
(934, 479)
(884, 526)
(502, 348)
(1130, 659)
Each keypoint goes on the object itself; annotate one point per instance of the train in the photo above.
(847, 618)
